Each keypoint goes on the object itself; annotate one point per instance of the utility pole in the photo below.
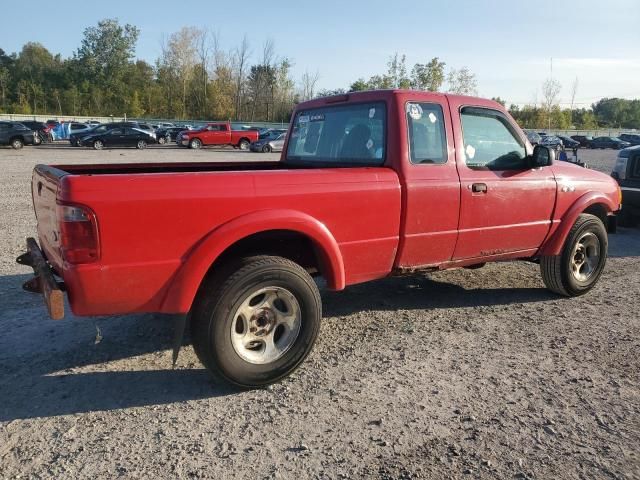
(549, 113)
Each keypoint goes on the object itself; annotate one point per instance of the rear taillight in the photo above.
(78, 234)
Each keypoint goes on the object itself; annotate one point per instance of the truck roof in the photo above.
(387, 94)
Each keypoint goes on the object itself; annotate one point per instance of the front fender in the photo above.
(199, 259)
(555, 241)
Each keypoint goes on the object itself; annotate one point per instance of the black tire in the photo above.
(266, 148)
(216, 306)
(141, 145)
(17, 143)
(244, 144)
(196, 144)
(98, 145)
(557, 271)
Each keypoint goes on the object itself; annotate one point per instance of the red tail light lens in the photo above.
(78, 234)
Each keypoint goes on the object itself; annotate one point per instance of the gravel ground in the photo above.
(461, 374)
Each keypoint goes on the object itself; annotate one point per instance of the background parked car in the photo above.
(627, 174)
(568, 142)
(16, 135)
(119, 137)
(168, 134)
(609, 142)
(270, 133)
(583, 140)
(534, 137)
(74, 138)
(551, 141)
(273, 143)
(42, 130)
(632, 138)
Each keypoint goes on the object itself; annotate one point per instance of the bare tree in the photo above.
(462, 81)
(179, 57)
(241, 58)
(308, 85)
(574, 90)
(203, 41)
(550, 96)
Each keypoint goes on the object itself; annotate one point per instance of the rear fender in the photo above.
(555, 241)
(199, 259)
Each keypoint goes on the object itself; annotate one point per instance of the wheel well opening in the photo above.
(599, 210)
(282, 243)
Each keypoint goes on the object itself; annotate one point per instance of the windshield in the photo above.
(339, 135)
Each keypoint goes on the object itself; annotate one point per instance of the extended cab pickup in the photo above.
(369, 184)
(220, 133)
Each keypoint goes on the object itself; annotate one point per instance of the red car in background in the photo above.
(220, 133)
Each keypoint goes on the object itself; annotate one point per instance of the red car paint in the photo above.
(220, 133)
(161, 227)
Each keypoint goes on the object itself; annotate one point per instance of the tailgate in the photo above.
(44, 190)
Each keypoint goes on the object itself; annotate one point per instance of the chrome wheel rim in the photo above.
(244, 145)
(98, 145)
(585, 257)
(141, 144)
(265, 325)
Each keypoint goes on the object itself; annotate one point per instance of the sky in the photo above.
(509, 44)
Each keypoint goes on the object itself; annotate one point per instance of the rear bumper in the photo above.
(43, 282)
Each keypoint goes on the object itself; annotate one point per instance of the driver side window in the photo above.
(490, 142)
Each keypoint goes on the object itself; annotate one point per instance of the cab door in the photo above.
(431, 194)
(505, 206)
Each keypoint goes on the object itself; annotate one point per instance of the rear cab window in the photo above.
(426, 132)
(339, 135)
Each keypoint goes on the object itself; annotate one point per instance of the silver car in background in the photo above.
(273, 143)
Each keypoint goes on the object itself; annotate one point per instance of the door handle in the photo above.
(479, 188)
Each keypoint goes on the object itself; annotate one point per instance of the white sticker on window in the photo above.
(414, 110)
(372, 112)
(433, 118)
(470, 151)
(369, 144)
(303, 119)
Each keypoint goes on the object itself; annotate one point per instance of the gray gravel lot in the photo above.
(461, 374)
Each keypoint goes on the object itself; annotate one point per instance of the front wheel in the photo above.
(17, 143)
(577, 269)
(141, 145)
(256, 320)
(244, 144)
(195, 144)
(162, 140)
(266, 148)
(98, 145)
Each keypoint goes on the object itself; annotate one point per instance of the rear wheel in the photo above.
(141, 145)
(266, 148)
(17, 143)
(162, 140)
(256, 320)
(577, 269)
(195, 144)
(244, 144)
(98, 145)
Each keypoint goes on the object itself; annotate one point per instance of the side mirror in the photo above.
(542, 156)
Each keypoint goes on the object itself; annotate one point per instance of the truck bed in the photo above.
(133, 168)
(151, 217)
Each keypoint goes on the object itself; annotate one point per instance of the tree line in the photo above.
(195, 78)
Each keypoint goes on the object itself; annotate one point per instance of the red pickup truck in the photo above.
(369, 184)
(220, 133)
